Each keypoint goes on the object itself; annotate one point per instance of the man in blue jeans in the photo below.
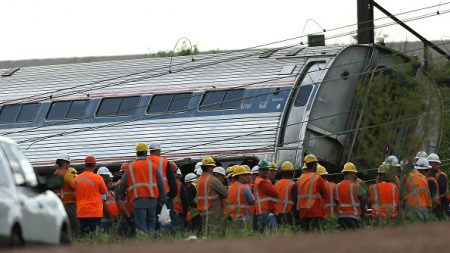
(144, 183)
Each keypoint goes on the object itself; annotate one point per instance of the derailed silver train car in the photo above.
(273, 104)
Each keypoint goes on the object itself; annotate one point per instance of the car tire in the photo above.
(64, 237)
(16, 239)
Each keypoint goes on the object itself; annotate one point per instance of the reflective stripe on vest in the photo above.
(444, 194)
(134, 186)
(207, 197)
(330, 205)
(309, 196)
(84, 179)
(414, 191)
(286, 200)
(437, 196)
(110, 199)
(260, 200)
(353, 204)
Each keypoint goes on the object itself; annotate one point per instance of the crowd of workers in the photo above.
(212, 200)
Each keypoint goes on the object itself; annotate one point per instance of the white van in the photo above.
(29, 212)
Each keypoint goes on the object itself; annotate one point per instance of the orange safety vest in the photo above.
(88, 189)
(349, 204)
(128, 201)
(205, 196)
(445, 194)
(329, 197)
(418, 192)
(237, 205)
(66, 193)
(161, 164)
(142, 180)
(263, 202)
(111, 204)
(309, 201)
(285, 202)
(436, 198)
(384, 197)
(177, 204)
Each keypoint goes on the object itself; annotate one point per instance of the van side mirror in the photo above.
(51, 182)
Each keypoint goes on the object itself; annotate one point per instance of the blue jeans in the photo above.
(266, 221)
(178, 223)
(145, 214)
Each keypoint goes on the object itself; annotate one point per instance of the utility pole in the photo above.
(365, 22)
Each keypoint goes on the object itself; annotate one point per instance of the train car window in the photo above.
(160, 103)
(180, 102)
(128, 106)
(18, 113)
(303, 95)
(67, 109)
(9, 113)
(77, 109)
(118, 106)
(212, 100)
(232, 99)
(28, 112)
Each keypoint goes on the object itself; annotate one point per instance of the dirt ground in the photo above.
(418, 238)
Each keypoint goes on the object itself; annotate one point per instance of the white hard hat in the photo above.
(392, 161)
(198, 169)
(421, 154)
(64, 157)
(255, 169)
(422, 164)
(154, 146)
(179, 172)
(104, 171)
(190, 177)
(219, 170)
(434, 158)
(199, 172)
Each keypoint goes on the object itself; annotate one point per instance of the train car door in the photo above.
(297, 112)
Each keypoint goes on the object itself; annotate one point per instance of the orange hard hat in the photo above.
(123, 167)
(90, 159)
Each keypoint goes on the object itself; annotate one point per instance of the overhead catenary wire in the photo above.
(165, 67)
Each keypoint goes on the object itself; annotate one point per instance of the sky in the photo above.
(37, 29)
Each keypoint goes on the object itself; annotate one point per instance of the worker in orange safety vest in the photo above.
(90, 192)
(351, 198)
(180, 202)
(438, 184)
(311, 188)
(265, 199)
(110, 202)
(418, 198)
(67, 192)
(143, 184)
(384, 196)
(287, 195)
(240, 198)
(329, 196)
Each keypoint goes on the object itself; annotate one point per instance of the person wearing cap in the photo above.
(240, 199)
(219, 173)
(265, 197)
(272, 172)
(311, 188)
(394, 170)
(351, 197)
(420, 154)
(194, 217)
(287, 195)
(384, 197)
(90, 192)
(438, 185)
(198, 169)
(144, 185)
(180, 202)
(255, 173)
(110, 209)
(210, 193)
(417, 199)
(67, 192)
(229, 174)
(329, 196)
(170, 182)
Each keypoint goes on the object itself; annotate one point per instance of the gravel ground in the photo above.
(417, 238)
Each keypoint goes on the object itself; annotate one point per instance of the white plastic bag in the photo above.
(164, 216)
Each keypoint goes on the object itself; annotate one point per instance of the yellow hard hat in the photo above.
(229, 171)
(287, 166)
(349, 167)
(240, 170)
(273, 166)
(310, 158)
(304, 166)
(383, 168)
(72, 171)
(208, 161)
(247, 168)
(321, 170)
(141, 147)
